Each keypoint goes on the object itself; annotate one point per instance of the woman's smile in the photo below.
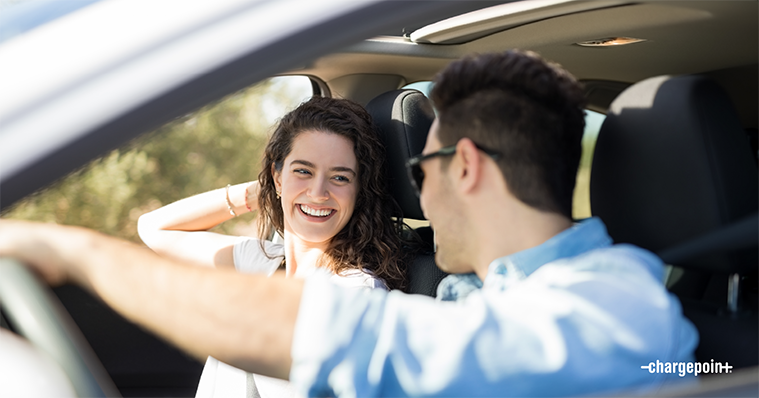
(316, 214)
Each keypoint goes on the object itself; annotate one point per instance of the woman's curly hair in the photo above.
(372, 239)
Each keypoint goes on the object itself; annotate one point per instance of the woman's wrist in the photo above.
(230, 207)
(241, 198)
(252, 190)
(251, 195)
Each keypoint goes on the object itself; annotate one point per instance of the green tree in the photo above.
(219, 144)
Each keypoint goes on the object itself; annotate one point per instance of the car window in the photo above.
(425, 87)
(217, 145)
(581, 200)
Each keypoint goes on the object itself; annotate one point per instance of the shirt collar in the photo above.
(581, 237)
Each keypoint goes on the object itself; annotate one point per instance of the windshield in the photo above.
(19, 16)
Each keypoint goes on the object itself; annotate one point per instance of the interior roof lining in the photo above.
(708, 37)
(465, 32)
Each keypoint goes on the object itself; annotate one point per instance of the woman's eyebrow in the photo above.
(344, 169)
(336, 168)
(303, 162)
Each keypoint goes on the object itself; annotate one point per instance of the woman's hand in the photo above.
(252, 190)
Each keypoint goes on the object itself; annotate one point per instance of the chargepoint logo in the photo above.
(684, 368)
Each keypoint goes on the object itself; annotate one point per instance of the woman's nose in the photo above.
(317, 190)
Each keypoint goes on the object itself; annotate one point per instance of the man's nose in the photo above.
(422, 202)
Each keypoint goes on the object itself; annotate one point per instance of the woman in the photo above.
(326, 162)
(321, 188)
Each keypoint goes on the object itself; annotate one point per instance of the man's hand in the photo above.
(244, 320)
(27, 242)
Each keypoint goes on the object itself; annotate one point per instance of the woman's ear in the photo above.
(277, 177)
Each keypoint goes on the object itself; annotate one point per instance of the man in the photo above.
(536, 305)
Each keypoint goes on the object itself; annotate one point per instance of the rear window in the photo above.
(581, 201)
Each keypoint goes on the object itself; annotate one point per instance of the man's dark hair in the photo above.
(527, 109)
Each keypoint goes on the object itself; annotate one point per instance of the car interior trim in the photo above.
(480, 23)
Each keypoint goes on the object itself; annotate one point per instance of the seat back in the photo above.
(404, 118)
(672, 164)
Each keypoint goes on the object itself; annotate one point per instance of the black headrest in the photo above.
(404, 117)
(672, 163)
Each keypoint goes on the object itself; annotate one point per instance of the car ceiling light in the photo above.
(610, 42)
(480, 23)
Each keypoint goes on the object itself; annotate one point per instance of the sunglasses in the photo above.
(414, 168)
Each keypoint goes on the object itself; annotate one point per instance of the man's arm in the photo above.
(244, 320)
(572, 328)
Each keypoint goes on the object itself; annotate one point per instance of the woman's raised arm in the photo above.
(179, 229)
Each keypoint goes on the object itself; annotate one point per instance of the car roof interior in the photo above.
(718, 39)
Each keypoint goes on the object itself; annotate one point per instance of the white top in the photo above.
(249, 258)
(222, 380)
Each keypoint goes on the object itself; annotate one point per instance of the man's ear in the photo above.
(469, 167)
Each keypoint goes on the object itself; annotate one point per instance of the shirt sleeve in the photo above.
(559, 333)
(249, 258)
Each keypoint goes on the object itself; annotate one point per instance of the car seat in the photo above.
(403, 118)
(673, 172)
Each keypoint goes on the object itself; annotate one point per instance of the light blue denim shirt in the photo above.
(575, 315)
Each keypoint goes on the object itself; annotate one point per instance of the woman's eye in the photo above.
(340, 178)
(302, 172)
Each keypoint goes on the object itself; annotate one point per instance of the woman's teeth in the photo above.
(314, 212)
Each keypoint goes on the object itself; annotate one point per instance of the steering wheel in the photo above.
(37, 314)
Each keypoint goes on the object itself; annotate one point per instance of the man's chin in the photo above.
(450, 265)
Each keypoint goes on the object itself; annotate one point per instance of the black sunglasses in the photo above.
(414, 168)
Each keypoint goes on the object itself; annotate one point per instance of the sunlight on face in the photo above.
(319, 184)
(439, 203)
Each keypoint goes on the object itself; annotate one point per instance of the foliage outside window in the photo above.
(581, 199)
(217, 145)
